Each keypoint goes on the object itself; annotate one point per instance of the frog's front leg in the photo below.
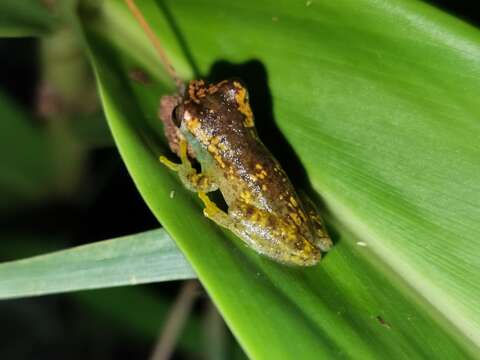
(196, 182)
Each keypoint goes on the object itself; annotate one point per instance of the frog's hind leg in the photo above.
(191, 179)
(213, 212)
(322, 239)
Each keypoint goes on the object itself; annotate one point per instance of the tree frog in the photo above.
(214, 124)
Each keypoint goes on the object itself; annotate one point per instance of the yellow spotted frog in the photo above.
(214, 124)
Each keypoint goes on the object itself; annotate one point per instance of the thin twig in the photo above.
(155, 42)
(175, 321)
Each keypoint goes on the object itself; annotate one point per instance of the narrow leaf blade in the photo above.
(136, 259)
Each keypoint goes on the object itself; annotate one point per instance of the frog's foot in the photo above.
(322, 239)
(191, 179)
(170, 164)
(324, 243)
(212, 211)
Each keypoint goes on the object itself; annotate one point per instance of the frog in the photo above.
(213, 124)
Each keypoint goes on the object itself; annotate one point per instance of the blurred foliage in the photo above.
(28, 171)
(26, 18)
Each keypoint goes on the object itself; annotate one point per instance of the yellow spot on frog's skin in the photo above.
(212, 149)
(219, 159)
(246, 196)
(295, 218)
(302, 215)
(258, 166)
(293, 201)
(243, 105)
(192, 123)
(260, 218)
(264, 187)
(194, 126)
(198, 180)
(196, 90)
(262, 174)
(213, 88)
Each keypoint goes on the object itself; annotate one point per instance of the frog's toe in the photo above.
(324, 243)
(170, 164)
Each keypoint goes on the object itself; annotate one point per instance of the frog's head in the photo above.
(217, 106)
(226, 91)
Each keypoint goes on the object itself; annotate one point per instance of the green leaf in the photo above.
(129, 260)
(25, 18)
(378, 99)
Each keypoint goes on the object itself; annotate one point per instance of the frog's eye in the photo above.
(177, 115)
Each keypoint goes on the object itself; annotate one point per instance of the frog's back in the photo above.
(220, 118)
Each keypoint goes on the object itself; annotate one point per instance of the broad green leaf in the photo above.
(378, 99)
(129, 260)
(25, 18)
